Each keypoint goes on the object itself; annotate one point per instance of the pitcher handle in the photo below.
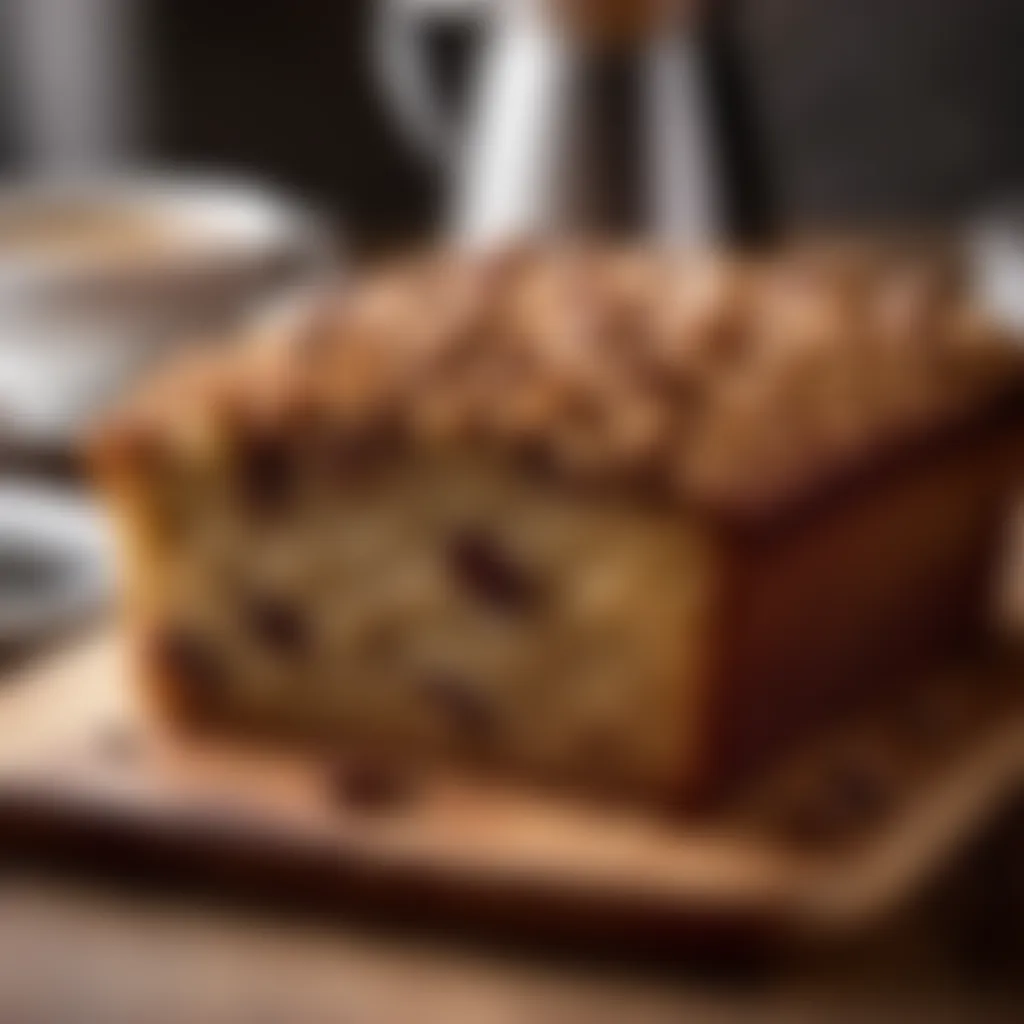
(406, 79)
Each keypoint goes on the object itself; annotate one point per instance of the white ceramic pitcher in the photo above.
(513, 165)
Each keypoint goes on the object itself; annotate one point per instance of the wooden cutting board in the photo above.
(827, 844)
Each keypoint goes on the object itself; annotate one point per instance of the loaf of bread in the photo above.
(626, 521)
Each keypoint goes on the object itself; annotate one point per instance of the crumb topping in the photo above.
(725, 380)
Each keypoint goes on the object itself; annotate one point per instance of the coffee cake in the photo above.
(622, 520)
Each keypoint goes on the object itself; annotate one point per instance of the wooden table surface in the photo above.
(75, 951)
(76, 948)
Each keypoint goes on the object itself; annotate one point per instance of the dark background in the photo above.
(870, 108)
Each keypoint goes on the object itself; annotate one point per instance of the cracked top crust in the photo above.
(735, 383)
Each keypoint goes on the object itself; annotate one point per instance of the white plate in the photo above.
(55, 559)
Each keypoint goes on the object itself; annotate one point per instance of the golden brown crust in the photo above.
(737, 384)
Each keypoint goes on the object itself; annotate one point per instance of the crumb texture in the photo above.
(444, 608)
